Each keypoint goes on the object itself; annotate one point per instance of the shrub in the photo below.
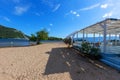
(89, 51)
(85, 47)
(95, 53)
(67, 41)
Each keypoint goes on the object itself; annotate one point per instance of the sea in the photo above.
(14, 42)
(24, 42)
(21, 42)
(50, 41)
(96, 39)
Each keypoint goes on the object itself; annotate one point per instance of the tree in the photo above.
(42, 35)
(54, 38)
(33, 37)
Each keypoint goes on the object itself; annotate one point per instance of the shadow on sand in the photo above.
(64, 60)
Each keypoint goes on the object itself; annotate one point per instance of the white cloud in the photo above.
(19, 10)
(90, 7)
(104, 6)
(107, 15)
(113, 10)
(78, 15)
(6, 19)
(73, 13)
(56, 7)
(51, 24)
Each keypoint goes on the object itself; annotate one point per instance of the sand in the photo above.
(51, 61)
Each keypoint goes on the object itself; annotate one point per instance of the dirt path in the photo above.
(52, 61)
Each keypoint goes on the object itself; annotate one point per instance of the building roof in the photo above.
(112, 26)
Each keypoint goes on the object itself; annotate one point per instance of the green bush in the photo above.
(95, 51)
(67, 41)
(85, 47)
(90, 51)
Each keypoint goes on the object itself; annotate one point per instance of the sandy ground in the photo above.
(52, 61)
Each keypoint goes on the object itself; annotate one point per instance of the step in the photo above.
(111, 64)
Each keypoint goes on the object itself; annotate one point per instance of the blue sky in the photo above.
(59, 17)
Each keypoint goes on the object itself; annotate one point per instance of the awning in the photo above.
(112, 26)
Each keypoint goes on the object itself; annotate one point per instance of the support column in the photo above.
(94, 39)
(115, 39)
(119, 37)
(105, 33)
(77, 35)
(99, 37)
(86, 36)
(109, 37)
(83, 35)
(77, 38)
(104, 26)
(72, 38)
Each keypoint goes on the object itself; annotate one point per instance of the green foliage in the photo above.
(54, 38)
(95, 51)
(67, 41)
(33, 37)
(6, 32)
(85, 47)
(90, 51)
(42, 35)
